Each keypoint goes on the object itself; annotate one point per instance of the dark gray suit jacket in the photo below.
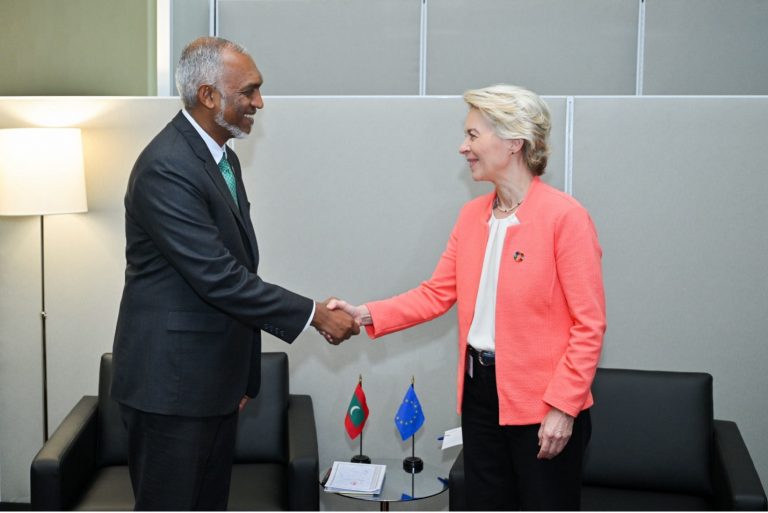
(188, 337)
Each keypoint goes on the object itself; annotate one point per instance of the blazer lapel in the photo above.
(530, 201)
(477, 240)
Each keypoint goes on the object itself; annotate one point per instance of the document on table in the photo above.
(452, 437)
(362, 478)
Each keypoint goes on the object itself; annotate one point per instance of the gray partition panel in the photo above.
(370, 165)
(190, 19)
(706, 47)
(399, 153)
(558, 47)
(556, 169)
(357, 198)
(353, 197)
(318, 47)
(677, 188)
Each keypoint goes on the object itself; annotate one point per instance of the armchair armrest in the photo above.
(303, 464)
(67, 461)
(736, 482)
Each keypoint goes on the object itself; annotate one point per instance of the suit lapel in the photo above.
(211, 168)
(245, 214)
(215, 173)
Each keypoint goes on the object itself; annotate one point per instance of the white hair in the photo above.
(516, 113)
(200, 64)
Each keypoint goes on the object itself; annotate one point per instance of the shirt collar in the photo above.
(217, 152)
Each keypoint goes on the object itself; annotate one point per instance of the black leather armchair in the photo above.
(656, 446)
(83, 465)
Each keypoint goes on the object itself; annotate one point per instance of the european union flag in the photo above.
(410, 416)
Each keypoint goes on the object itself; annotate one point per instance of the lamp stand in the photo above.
(43, 317)
(51, 183)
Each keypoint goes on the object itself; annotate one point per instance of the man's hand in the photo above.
(335, 325)
(554, 433)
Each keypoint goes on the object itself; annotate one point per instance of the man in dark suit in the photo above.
(188, 339)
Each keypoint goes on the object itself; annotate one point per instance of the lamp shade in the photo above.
(41, 171)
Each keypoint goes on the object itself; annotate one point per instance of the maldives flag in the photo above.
(357, 413)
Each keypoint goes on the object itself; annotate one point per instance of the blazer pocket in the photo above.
(197, 321)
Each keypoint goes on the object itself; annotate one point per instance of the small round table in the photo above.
(402, 486)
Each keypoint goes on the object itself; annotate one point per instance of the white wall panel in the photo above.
(21, 396)
(84, 273)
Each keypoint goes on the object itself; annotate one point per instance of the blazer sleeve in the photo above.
(578, 260)
(429, 300)
(174, 211)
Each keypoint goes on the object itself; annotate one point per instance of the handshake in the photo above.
(337, 320)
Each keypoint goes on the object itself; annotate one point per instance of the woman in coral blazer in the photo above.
(523, 264)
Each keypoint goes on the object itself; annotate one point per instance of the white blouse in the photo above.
(482, 332)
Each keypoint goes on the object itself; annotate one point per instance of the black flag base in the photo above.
(360, 458)
(413, 464)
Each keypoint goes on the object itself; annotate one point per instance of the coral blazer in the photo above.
(550, 305)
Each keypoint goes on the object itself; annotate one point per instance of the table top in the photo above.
(400, 486)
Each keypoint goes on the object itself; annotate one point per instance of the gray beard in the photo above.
(234, 131)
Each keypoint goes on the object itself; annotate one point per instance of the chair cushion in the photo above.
(254, 487)
(651, 430)
(261, 432)
(258, 488)
(261, 429)
(110, 491)
(595, 498)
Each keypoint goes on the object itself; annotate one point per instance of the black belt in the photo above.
(484, 358)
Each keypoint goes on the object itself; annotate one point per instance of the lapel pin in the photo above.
(519, 256)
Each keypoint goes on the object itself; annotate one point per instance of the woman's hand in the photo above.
(554, 433)
(360, 314)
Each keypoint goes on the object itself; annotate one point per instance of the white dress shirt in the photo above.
(482, 332)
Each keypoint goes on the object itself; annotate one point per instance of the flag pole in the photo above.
(413, 436)
(360, 458)
(412, 463)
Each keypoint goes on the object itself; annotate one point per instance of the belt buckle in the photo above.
(482, 360)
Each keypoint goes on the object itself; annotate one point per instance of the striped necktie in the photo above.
(229, 177)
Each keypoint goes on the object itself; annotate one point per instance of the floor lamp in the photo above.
(41, 173)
